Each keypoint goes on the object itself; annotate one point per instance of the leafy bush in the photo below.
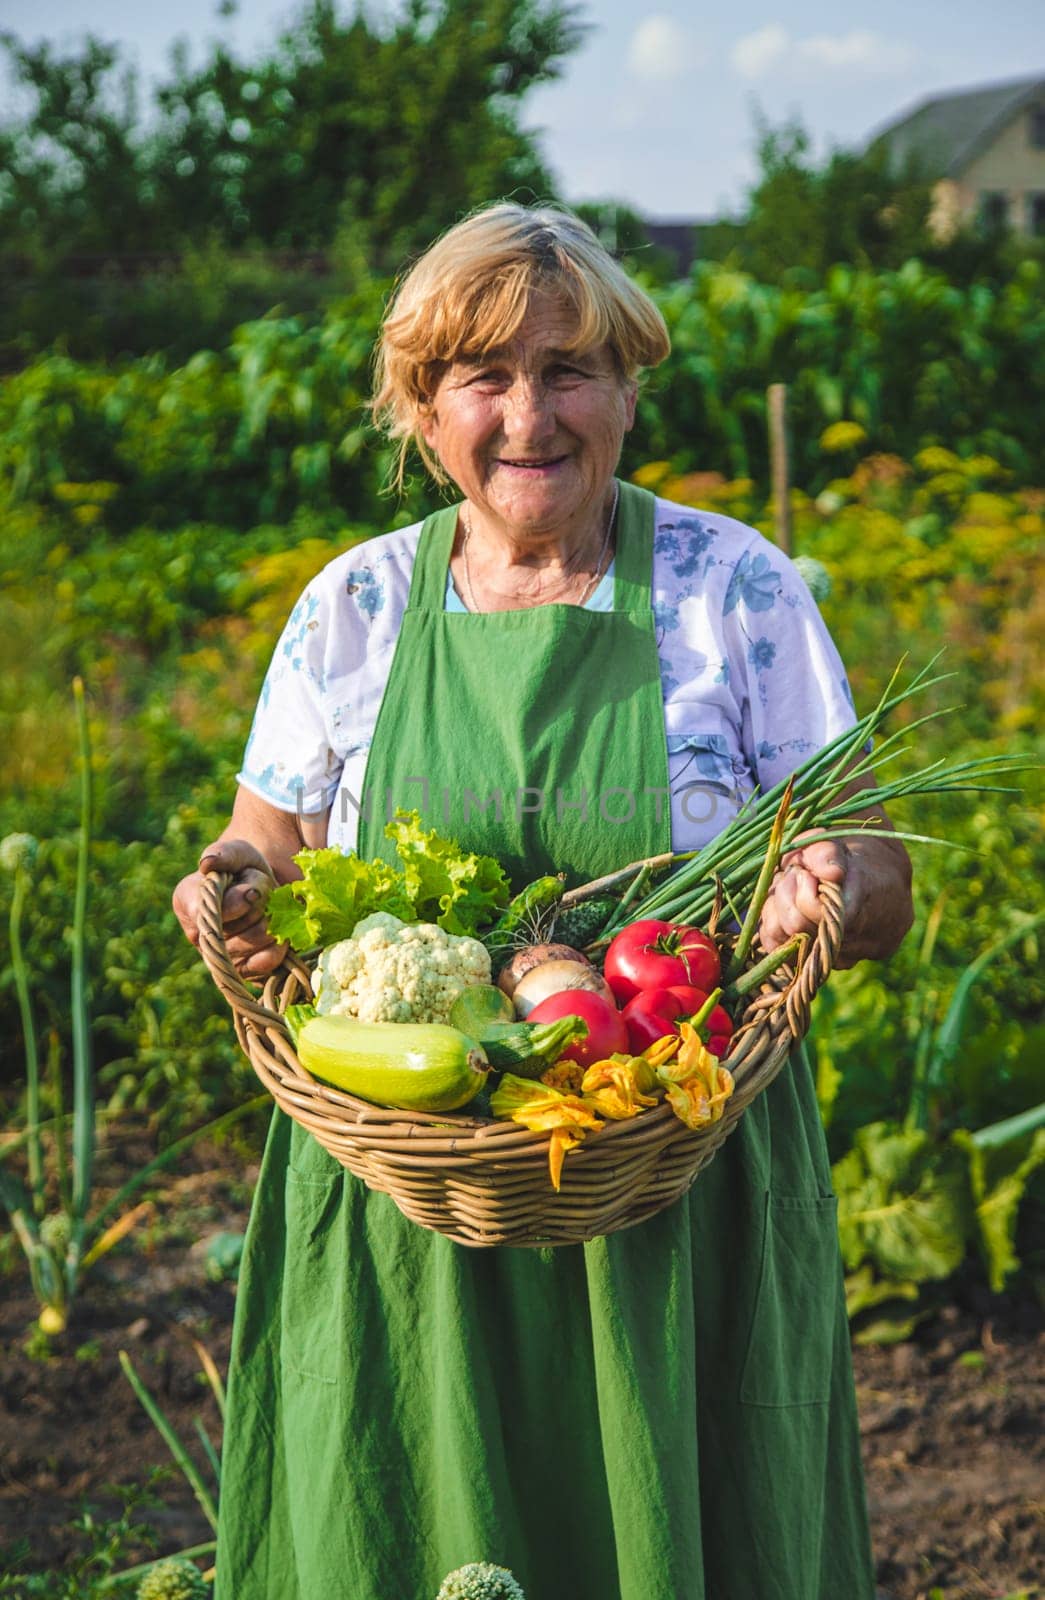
(275, 422)
(907, 355)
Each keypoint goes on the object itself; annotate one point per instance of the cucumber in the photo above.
(479, 1006)
(409, 1066)
(578, 925)
(529, 913)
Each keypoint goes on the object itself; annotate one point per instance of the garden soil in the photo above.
(951, 1419)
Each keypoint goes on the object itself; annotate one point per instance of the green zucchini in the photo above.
(409, 1066)
(478, 1006)
(527, 1048)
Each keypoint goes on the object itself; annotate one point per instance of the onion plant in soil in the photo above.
(52, 1208)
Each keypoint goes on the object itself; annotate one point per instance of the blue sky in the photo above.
(657, 108)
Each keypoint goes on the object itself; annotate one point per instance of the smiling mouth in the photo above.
(543, 461)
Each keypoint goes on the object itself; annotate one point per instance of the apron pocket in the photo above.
(789, 1354)
(314, 1267)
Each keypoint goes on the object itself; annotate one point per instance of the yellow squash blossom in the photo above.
(565, 1076)
(542, 1109)
(697, 1087)
(617, 1088)
(661, 1050)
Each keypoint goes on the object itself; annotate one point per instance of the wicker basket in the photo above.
(483, 1182)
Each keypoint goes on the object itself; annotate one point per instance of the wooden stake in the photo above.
(776, 396)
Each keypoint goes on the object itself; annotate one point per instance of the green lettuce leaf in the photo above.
(999, 1177)
(451, 887)
(903, 1203)
(438, 882)
(334, 892)
(886, 1310)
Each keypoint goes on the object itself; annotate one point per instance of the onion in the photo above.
(535, 955)
(557, 977)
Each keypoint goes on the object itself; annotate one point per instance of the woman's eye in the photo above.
(488, 375)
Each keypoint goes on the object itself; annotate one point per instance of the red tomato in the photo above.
(607, 1032)
(692, 999)
(700, 954)
(660, 955)
(665, 1002)
(633, 961)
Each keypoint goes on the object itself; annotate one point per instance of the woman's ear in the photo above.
(631, 395)
(428, 425)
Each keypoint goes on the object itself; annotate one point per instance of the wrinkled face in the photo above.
(531, 434)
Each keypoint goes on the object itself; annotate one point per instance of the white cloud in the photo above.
(755, 53)
(859, 51)
(661, 48)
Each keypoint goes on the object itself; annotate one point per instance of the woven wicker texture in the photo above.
(483, 1182)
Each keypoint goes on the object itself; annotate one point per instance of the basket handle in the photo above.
(824, 952)
(214, 951)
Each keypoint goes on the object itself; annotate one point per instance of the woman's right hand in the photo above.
(253, 951)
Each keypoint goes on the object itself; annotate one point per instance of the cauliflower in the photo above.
(479, 1580)
(392, 971)
(175, 1578)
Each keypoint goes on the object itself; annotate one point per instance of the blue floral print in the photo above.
(284, 792)
(761, 654)
(367, 590)
(683, 543)
(773, 752)
(300, 623)
(754, 582)
(667, 616)
(708, 752)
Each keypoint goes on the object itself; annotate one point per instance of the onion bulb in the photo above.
(535, 955)
(557, 977)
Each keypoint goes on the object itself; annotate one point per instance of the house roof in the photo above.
(944, 133)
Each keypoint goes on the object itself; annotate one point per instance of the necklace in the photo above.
(593, 581)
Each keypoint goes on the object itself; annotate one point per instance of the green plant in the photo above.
(62, 1244)
(915, 1194)
(174, 1578)
(480, 1580)
(104, 1545)
(205, 1495)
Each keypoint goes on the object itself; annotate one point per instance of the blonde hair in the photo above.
(469, 293)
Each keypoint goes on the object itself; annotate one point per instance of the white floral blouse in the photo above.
(752, 681)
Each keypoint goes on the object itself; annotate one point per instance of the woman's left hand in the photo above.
(875, 876)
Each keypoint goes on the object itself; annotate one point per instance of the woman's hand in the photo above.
(253, 951)
(257, 871)
(874, 872)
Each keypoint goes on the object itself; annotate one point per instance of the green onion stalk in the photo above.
(18, 855)
(83, 1075)
(814, 803)
(162, 1423)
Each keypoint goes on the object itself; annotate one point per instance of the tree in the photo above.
(71, 171)
(806, 216)
(387, 132)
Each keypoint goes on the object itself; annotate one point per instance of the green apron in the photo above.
(663, 1414)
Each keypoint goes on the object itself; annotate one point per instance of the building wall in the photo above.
(1011, 165)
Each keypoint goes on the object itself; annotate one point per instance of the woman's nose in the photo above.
(528, 410)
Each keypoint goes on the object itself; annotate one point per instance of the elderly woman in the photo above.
(569, 674)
